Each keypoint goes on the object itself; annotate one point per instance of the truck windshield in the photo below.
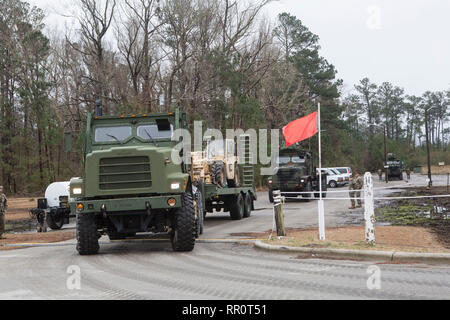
(288, 159)
(110, 134)
(151, 132)
(216, 148)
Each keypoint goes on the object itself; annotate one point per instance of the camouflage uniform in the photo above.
(408, 174)
(3, 208)
(356, 184)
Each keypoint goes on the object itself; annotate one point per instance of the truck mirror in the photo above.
(67, 141)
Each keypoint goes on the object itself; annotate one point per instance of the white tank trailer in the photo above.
(53, 210)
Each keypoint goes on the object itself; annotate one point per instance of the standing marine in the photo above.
(355, 190)
(3, 208)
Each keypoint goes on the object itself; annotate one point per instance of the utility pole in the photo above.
(385, 155)
(428, 148)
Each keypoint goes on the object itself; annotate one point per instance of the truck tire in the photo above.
(332, 184)
(55, 220)
(219, 174)
(307, 196)
(183, 235)
(236, 181)
(237, 207)
(270, 195)
(247, 205)
(201, 214)
(87, 234)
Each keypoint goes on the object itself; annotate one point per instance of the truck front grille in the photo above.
(286, 175)
(124, 173)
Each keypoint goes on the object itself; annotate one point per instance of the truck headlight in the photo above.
(76, 190)
(175, 185)
(302, 180)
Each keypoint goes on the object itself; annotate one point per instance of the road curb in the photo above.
(389, 256)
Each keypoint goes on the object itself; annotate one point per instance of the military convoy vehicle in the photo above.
(296, 175)
(395, 166)
(217, 164)
(237, 194)
(130, 185)
(53, 210)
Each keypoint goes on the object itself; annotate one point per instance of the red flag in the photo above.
(300, 129)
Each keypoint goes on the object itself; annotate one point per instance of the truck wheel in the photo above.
(87, 234)
(237, 207)
(333, 184)
(219, 174)
(270, 195)
(307, 196)
(200, 213)
(236, 181)
(55, 220)
(247, 205)
(183, 235)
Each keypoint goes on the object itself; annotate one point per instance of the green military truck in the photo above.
(395, 167)
(237, 197)
(129, 183)
(296, 175)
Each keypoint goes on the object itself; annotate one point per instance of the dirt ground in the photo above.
(18, 208)
(25, 238)
(388, 238)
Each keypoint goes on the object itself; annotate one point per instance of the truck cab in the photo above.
(129, 182)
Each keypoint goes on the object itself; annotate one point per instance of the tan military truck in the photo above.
(217, 164)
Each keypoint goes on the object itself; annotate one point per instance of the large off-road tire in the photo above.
(200, 215)
(237, 207)
(55, 220)
(307, 196)
(219, 174)
(87, 234)
(236, 181)
(183, 235)
(248, 203)
(270, 195)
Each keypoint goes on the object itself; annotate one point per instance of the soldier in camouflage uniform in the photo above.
(3, 208)
(355, 190)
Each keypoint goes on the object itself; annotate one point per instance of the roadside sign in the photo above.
(442, 163)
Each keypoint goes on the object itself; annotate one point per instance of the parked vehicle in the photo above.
(345, 171)
(334, 178)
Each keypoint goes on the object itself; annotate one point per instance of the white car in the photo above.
(345, 171)
(334, 178)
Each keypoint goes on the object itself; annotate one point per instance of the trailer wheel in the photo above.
(237, 207)
(87, 234)
(183, 235)
(219, 174)
(55, 220)
(247, 205)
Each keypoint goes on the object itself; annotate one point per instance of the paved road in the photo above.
(150, 270)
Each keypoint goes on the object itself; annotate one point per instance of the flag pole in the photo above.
(320, 205)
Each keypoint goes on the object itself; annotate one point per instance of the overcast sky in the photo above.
(406, 42)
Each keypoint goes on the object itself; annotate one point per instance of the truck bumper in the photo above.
(125, 204)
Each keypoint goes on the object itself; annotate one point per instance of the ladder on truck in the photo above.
(247, 168)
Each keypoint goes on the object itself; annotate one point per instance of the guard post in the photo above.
(369, 214)
(278, 212)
